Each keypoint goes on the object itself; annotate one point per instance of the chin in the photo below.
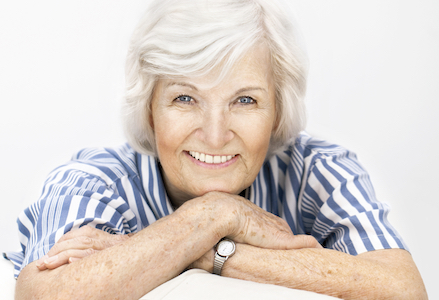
(219, 188)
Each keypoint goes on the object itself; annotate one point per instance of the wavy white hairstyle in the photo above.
(192, 37)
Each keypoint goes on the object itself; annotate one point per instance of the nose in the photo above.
(215, 129)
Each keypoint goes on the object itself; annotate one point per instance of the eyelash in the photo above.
(253, 101)
(180, 96)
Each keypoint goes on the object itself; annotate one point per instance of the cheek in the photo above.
(170, 129)
(166, 138)
(256, 133)
(260, 142)
(162, 131)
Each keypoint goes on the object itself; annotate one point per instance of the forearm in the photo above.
(330, 272)
(130, 269)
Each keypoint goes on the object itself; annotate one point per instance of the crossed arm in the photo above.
(123, 267)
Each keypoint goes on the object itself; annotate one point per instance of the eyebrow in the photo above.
(181, 84)
(240, 91)
(250, 88)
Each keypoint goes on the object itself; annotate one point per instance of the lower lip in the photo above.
(212, 166)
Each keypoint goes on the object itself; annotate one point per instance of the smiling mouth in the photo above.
(211, 159)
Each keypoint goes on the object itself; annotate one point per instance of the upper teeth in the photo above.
(211, 159)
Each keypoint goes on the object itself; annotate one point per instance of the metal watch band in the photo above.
(224, 249)
(218, 263)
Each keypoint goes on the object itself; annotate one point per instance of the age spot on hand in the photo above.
(109, 264)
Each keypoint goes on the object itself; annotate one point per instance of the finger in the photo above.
(73, 259)
(64, 258)
(304, 241)
(40, 263)
(85, 242)
(266, 231)
(60, 246)
(80, 243)
(270, 231)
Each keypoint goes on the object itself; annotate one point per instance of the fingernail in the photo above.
(51, 259)
(73, 259)
(40, 262)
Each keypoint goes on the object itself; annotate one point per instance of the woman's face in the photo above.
(214, 137)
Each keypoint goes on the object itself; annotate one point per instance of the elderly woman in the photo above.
(214, 117)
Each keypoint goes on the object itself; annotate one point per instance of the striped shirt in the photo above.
(317, 187)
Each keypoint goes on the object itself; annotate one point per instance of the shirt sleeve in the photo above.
(73, 196)
(339, 206)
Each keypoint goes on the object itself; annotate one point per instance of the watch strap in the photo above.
(218, 263)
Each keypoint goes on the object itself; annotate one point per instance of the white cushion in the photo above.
(7, 280)
(198, 284)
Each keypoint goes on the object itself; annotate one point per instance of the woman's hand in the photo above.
(78, 244)
(249, 224)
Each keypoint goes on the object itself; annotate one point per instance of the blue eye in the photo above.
(184, 98)
(246, 100)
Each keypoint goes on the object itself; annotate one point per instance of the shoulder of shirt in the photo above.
(116, 162)
(306, 146)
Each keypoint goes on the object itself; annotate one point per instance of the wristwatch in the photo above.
(224, 249)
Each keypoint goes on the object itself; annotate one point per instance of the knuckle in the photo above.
(86, 230)
(84, 240)
(66, 254)
(63, 257)
(90, 251)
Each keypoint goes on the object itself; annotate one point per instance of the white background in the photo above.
(373, 87)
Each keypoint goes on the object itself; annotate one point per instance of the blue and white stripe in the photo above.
(317, 187)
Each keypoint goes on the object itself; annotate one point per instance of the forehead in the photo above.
(252, 68)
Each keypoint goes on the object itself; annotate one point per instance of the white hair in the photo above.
(192, 37)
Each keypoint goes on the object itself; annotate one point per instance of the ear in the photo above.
(276, 122)
(150, 109)
(277, 117)
(150, 119)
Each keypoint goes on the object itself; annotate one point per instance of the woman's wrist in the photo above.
(213, 211)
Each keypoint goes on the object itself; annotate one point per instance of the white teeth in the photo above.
(210, 159)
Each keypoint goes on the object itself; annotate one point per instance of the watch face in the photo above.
(226, 248)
